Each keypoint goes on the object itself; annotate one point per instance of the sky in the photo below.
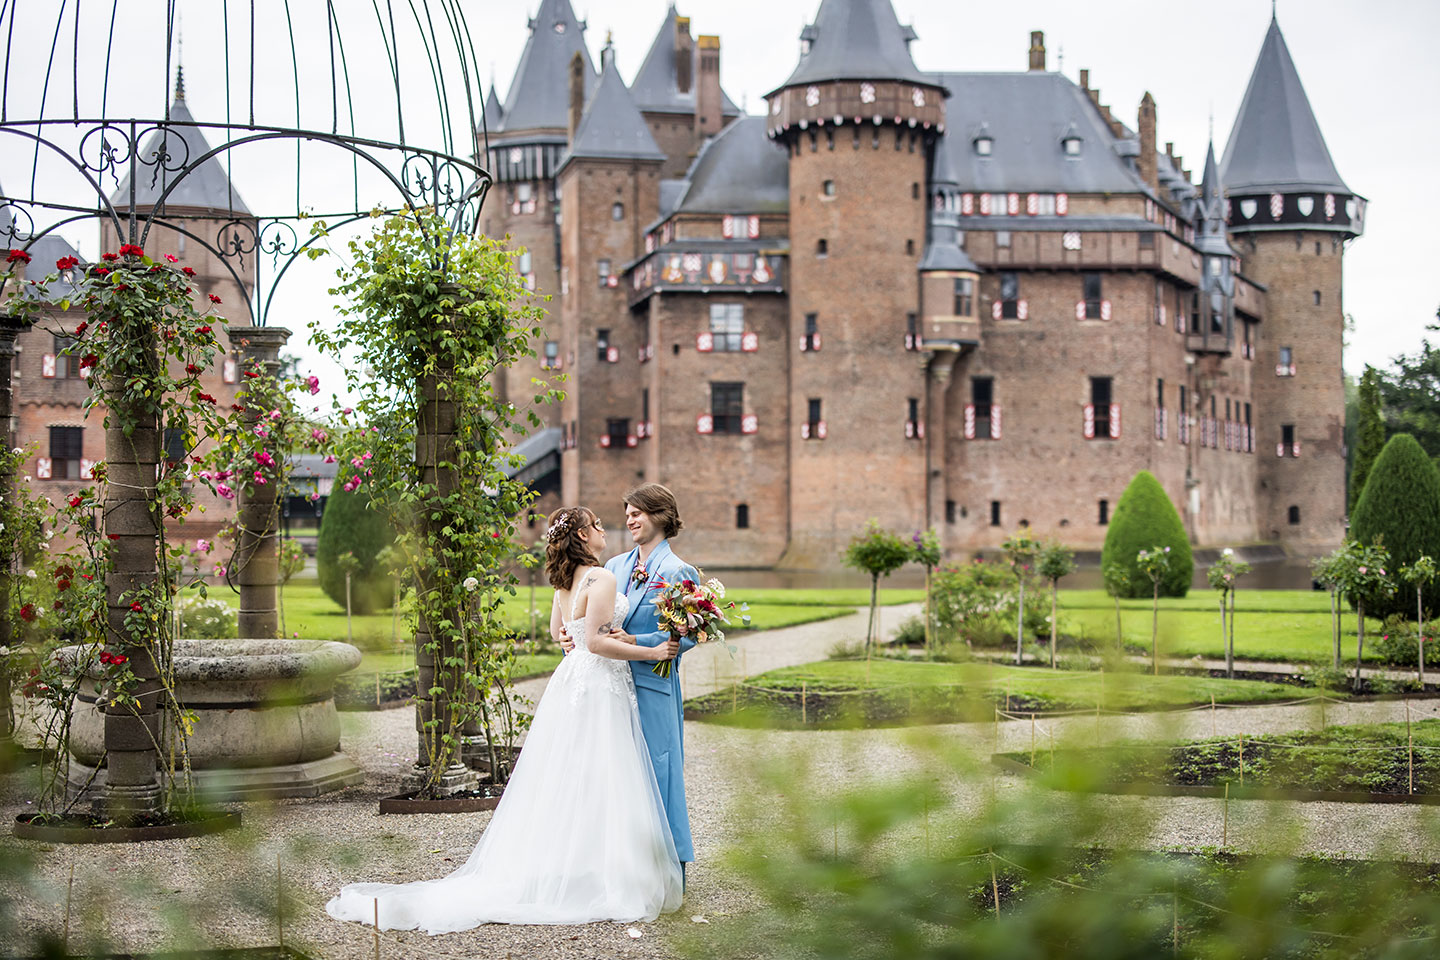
(1368, 69)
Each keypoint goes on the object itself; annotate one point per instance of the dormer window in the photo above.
(984, 144)
(1071, 145)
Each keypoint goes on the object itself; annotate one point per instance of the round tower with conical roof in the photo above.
(859, 121)
(1291, 215)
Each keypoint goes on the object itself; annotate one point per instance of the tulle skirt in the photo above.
(580, 834)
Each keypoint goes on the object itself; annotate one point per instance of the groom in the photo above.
(653, 517)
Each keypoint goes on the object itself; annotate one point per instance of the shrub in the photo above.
(910, 633)
(351, 525)
(976, 603)
(206, 618)
(1400, 508)
(1145, 519)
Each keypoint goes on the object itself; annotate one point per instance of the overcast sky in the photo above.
(1369, 69)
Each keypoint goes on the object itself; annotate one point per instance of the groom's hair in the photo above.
(657, 500)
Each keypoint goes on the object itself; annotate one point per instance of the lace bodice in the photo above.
(587, 667)
(575, 626)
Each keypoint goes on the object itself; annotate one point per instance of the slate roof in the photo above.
(740, 170)
(611, 127)
(494, 114)
(654, 86)
(856, 40)
(45, 252)
(942, 253)
(1275, 144)
(206, 188)
(1026, 114)
(539, 95)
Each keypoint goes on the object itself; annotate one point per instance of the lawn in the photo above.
(526, 664)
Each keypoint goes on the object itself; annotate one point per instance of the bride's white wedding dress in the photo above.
(580, 834)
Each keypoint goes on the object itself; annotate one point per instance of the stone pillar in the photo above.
(939, 369)
(10, 328)
(436, 445)
(132, 524)
(257, 561)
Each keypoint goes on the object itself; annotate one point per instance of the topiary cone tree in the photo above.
(1400, 507)
(352, 525)
(1145, 519)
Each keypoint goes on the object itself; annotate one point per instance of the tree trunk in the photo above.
(532, 605)
(1119, 634)
(1229, 643)
(9, 332)
(1020, 621)
(1335, 626)
(1360, 646)
(349, 632)
(927, 612)
(1054, 618)
(257, 562)
(1155, 631)
(1420, 633)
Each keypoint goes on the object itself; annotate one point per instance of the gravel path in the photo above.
(223, 887)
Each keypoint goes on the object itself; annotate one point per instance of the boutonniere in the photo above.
(640, 575)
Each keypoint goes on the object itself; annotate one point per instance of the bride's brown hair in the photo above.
(565, 552)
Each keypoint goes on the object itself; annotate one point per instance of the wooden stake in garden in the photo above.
(1409, 747)
(376, 928)
(1032, 741)
(1212, 715)
(69, 890)
(804, 710)
(280, 901)
(1241, 740)
(994, 886)
(1225, 822)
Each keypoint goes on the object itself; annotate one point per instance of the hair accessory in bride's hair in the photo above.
(558, 527)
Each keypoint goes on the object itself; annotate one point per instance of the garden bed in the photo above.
(833, 694)
(92, 828)
(1367, 763)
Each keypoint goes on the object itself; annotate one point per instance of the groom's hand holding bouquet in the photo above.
(688, 607)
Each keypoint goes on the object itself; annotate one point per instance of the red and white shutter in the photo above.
(1089, 421)
(612, 355)
(1104, 309)
(815, 341)
(752, 227)
(994, 421)
(995, 310)
(750, 342)
(1079, 309)
(705, 342)
(87, 467)
(1114, 421)
(727, 227)
(984, 204)
(969, 421)
(805, 431)
(705, 423)
(820, 429)
(749, 424)
(909, 429)
(1032, 203)
(47, 366)
(1012, 204)
(632, 441)
(42, 468)
(1022, 309)
(967, 204)
(1295, 449)
(605, 440)
(804, 343)
(1062, 203)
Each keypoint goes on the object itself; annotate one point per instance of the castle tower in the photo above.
(528, 138)
(609, 187)
(859, 122)
(1291, 215)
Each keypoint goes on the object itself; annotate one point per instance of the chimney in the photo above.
(1037, 50)
(708, 104)
(577, 92)
(684, 55)
(1084, 79)
(1146, 164)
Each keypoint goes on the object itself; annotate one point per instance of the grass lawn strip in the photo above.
(851, 693)
(1367, 759)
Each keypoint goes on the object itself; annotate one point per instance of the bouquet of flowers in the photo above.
(698, 607)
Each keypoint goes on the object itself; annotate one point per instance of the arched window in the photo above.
(1294, 514)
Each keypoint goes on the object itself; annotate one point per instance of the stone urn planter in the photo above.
(266, 724)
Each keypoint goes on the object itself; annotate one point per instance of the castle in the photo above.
(955, 300)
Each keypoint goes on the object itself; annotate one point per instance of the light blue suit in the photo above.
(662, 708)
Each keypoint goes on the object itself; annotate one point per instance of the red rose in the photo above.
(119, 658)
(172, 259)
(688, 584)
(110, 257)
(66, 263)
(82, 327)
(191, 368)
(188, 272)
(62, 585)
(131, 250)
(214, 298)
(206, 397)
(112, 536)
(89, 360)
(27, 612)
(204, 329)
(91, 576)
(102, 271)
(59, 605)
(76, 500)
(251, 374)
(137, 607)
(237, 408)
(17, 256)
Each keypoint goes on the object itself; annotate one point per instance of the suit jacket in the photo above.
(661, 704)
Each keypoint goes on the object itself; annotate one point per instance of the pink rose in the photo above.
(313, 383)
(227, 493)
(352, 484)
(329, 458)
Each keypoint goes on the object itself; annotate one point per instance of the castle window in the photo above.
(1249, 439)
(65, 367)
(964, 297)
(524, 262)
(984, 145)
(1195, 312)
(1160, 393)
(910, 248)
(1009, 296)
(1286, 366)
(1316, 294)
(645, 405)
(1288, 447)
(602, 269)
(828, 188)
(67, 445)
(1072, 143)
(1104, 512)
(1002, 238)
(994, 513)
(181, 249)
(1044, 204)
(914, 191)
(727, 326)
(617, 431)
(742, 516)
(822, 247)
(811, 338)
(949, 511)
(813, 418)
(175, 449)
(1092, 296)
(524, 192)
(1294, 513)
(982, 396)
(727, 406)
(1100, 393)
(617, 211)
(912, 331)
(1317, 246)
(913, 429)
(1146, 240)
(602, 345)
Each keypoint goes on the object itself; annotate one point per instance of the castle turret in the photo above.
(1217, 270)
(859, 121)
(1291, 215)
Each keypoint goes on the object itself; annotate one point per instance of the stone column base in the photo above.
(458, 778)
(308, 779)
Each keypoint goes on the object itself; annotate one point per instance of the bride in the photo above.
(580, 834)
